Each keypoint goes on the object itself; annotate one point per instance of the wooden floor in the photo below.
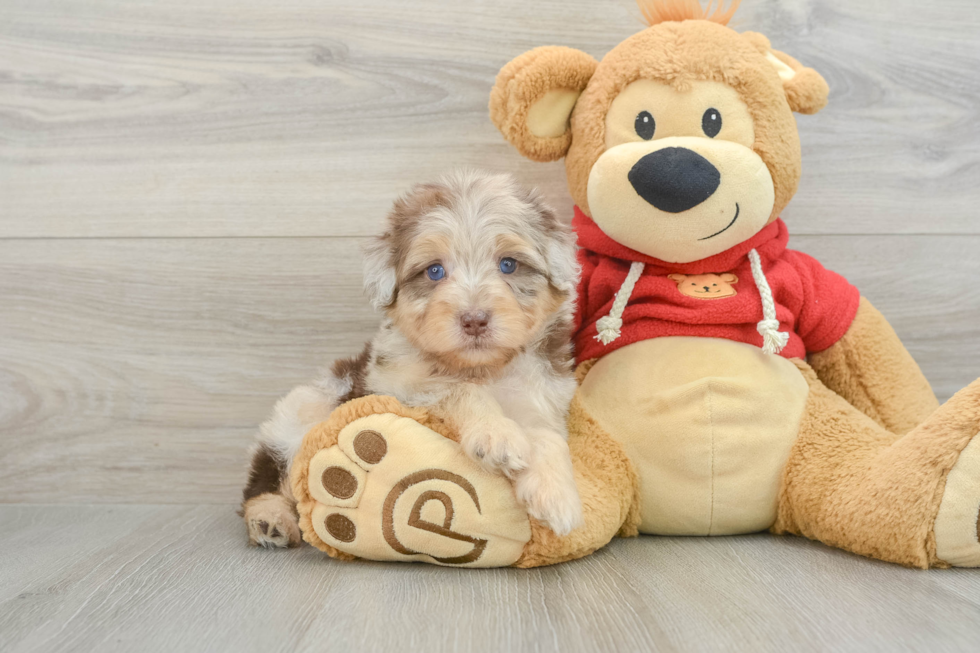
(184, 188)
(177, 578)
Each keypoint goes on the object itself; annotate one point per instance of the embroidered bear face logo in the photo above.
(705, 286)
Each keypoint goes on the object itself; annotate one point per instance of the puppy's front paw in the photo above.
(500, 445)
(551, 499)
(271, 522)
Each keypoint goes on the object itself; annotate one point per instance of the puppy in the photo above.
(476, 278)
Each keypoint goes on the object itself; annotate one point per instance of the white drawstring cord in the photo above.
(609, 326)
(773, 340)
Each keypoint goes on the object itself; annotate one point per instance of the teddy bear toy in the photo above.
(727, 384)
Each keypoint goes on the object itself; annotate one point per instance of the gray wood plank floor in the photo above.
(184, 188)
(180, 578)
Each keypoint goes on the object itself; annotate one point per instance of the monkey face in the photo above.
(678, 179)
(680, 143)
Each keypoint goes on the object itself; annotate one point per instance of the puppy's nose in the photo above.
(674, 179)
(706, 289)
(474, 323)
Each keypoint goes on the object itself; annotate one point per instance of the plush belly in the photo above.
(707, 423)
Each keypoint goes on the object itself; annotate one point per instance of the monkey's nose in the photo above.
(674, 179)
(474, 323)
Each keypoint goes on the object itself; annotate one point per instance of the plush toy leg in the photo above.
(609, 489)
(381, 481)
(912, 499)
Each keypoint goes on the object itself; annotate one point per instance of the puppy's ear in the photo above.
(380, 279)
(806, 91)
(532, 100)
(563, 267)
(677, 278)
(728, 277)
(561, 252)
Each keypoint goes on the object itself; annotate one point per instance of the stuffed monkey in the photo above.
(728, 384)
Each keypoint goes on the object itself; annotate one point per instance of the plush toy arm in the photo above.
(871, 369)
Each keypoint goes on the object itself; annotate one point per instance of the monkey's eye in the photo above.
(508, 265)
(644, 125)
(435, 271)
(711, 123)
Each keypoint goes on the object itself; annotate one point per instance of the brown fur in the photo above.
(853, 479)
(523, 82)
(354, 371)
(265, 475)
(851, 484)
(863, 366)
(675, 53)
(671, 52)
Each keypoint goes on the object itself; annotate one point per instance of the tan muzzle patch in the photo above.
(636, 196)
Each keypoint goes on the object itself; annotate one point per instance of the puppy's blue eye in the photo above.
(508, 265)
(435, 272)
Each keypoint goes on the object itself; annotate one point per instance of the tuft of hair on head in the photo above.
(662, 11)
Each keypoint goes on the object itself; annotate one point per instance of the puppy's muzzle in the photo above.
(674, 179)
(474, 323)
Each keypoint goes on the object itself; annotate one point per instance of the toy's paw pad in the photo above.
(341, 528)
(392, 489)
(271, 522)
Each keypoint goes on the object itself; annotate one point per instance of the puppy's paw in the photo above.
(499, 445)
(271, 522)
(551, 497)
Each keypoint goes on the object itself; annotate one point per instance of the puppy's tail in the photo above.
(308, 405)
(295, 414)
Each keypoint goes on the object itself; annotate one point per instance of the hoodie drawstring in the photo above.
(609, 326)
(773, 340)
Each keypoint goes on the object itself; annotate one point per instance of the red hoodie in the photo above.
(813, 305)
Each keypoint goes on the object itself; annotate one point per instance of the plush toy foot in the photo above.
(393, 489)
(911, 499)
(957, 527)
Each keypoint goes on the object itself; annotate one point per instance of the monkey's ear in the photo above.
(806, 91)
(677, 278)
(533, 97)
(380, 279)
